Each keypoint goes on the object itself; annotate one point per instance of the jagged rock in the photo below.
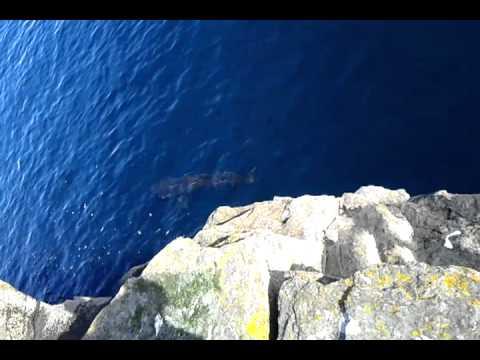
(305, 217)
(355, 231)
(362, 229)
(367, 236)
(134, 272)
(227, 222)
(190, 292)
(85, 309)
(24, 318)
(447, 228)
(373, 195)
(282, 254)
(414, 301)
(309, 310)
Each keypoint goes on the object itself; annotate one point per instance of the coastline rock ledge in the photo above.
(374, 264)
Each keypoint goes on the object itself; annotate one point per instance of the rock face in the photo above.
(305, 217)
(414, 301)
(373, 264)
(190, 292)
(24, 318)
(440, 216)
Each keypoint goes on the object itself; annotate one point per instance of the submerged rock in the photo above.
(414, 301)
(24, 318)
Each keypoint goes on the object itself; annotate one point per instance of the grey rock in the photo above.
(352, 232)
(436, 216)
(366, 236)
(84, 309)
(373, 195)
(24, 318)
(134, 272)
(283, 254)
(369, 229)
(413, 301)
(306, 310)
(304, 217)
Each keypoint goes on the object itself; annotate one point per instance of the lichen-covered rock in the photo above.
(191, 292)
(414, 301)
(283, 254)
(307, 311)
(24, 318)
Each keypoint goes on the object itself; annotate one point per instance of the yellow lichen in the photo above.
(403, 278)
(406, 293)
(428, 327)
(385, 281)
(258, 326)
(349, 282)
(380, 327)
(395, 309)
(4, 285)
(457, 282)
(445, 336)
(475, 302)
(368, 309)
(433, 278)
(416, 333)
(475, 277)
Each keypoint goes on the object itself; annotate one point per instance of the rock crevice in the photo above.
(345, 318)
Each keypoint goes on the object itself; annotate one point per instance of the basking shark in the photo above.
(182, 186)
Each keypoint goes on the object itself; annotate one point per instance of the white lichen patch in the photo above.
(448, 244)
(158, 324)
(352, 328)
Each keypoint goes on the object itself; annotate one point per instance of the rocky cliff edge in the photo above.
(374, 264)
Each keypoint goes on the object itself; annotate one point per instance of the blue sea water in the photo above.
(93, 113)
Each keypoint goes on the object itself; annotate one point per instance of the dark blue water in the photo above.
(92, 113)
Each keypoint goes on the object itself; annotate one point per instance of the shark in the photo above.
(180, 187)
